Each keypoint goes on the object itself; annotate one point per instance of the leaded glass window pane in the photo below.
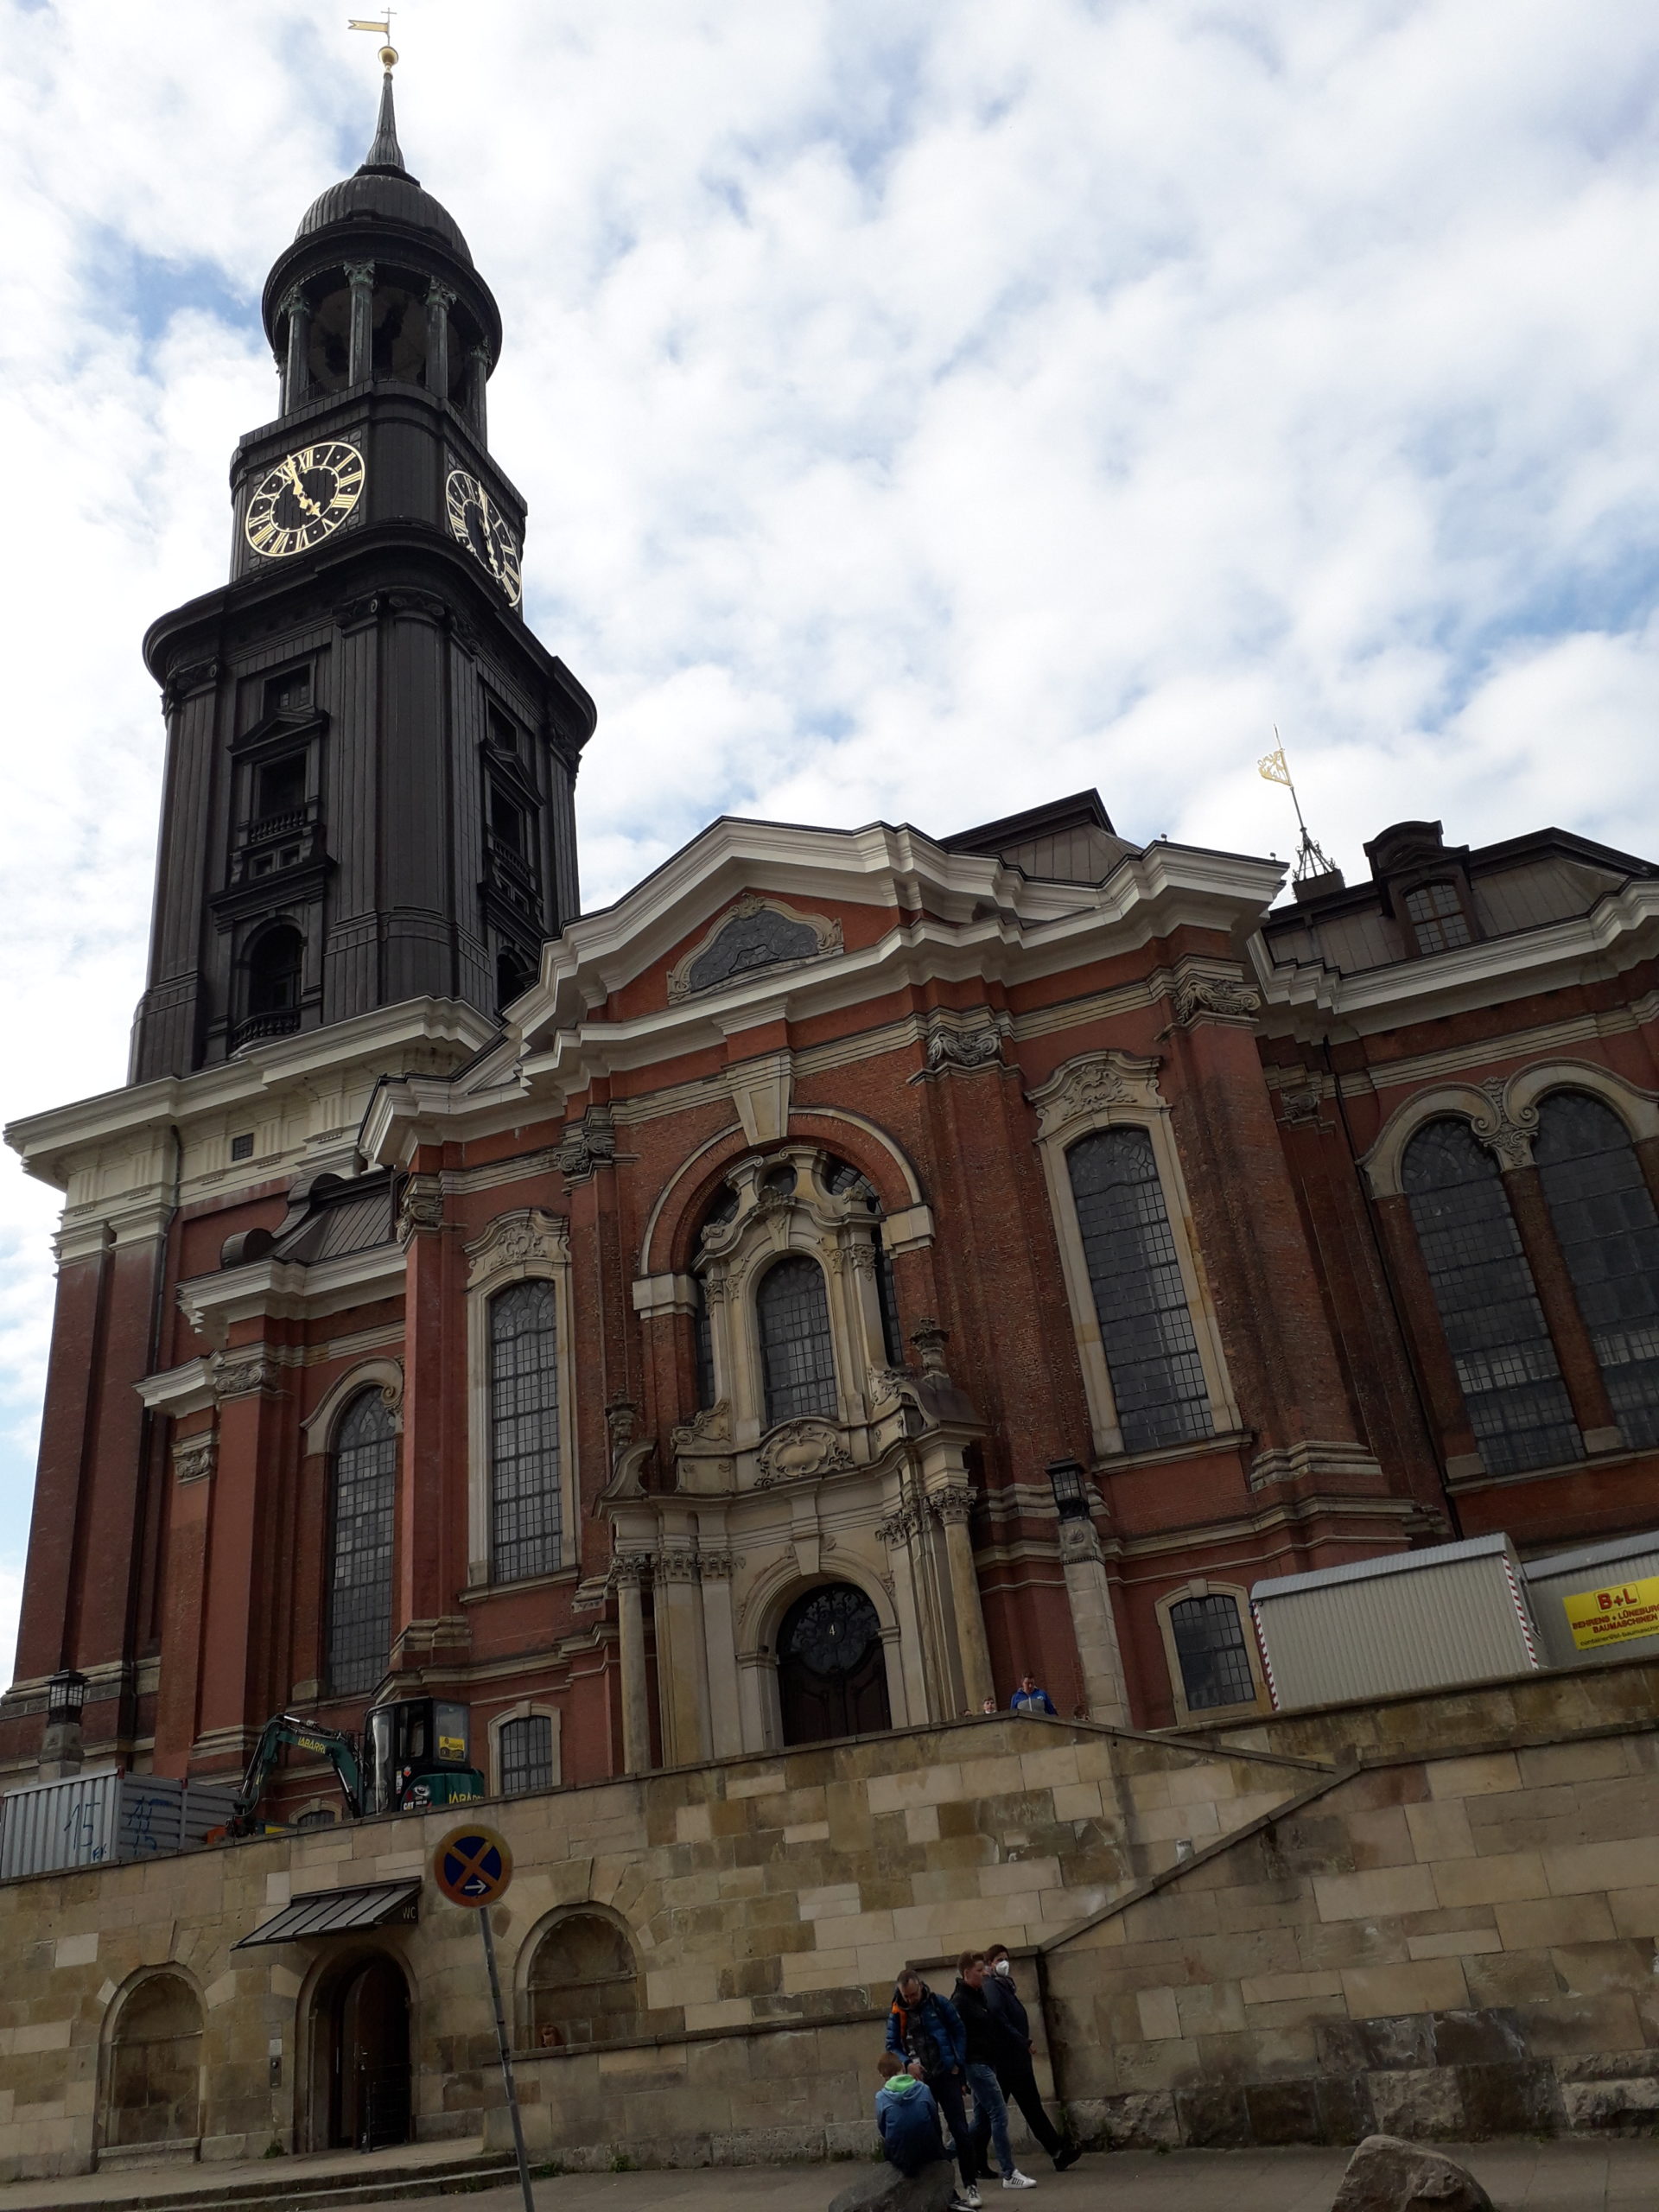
(360, 1584)
(1437, 918)
(1215, 1659)
(1500, 1343)
(1609, 1231)
(526, 1751)
(1146, 1330)
(797, 1356)
(526, 1530)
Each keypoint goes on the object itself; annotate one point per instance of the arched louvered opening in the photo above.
(796, 1354)
(1609, 1231)
(1146, 1329)
(1494, 1327)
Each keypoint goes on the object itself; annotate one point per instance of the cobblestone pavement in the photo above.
(1520, 2176)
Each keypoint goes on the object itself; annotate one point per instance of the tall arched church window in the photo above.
(797, 1356)
(1146, 1330)
(1215, 1659)
(1494, 1327)
(360, 1592)
(1609, 1233)
(274, 972)
(525, 1532)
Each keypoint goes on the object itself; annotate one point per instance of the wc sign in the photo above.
(1616, 1614)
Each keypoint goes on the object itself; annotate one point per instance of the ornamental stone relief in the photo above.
(527, 1238)
(239, 1375)
(1214, 998)
(1091, 1084)
(753, 933)
(589, 1145)
(799, 1451)
(967, 1049)
(1508, 1135)
(194, 1459)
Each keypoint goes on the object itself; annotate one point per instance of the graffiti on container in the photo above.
(80, 1832)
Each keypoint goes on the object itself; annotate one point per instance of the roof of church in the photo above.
(382, 191)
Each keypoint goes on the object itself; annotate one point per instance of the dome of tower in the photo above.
(382, 191)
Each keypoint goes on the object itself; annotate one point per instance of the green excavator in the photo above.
(415, 1753)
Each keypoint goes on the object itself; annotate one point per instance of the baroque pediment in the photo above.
(752, 934)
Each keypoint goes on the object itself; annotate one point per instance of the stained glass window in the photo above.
(360, 1592)
(797, 1356)
(1146, 1330)
(1215, 1658)
(526, 1523)
(1500, 1343)
(1609, 1231)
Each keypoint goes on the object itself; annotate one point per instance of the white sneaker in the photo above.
(1017, 2180)
(965, 2200)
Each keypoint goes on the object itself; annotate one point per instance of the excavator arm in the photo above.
(284, 1730)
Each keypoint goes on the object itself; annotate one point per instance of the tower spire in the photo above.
(385, 157)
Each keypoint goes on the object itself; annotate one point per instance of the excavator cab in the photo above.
(417, 1753)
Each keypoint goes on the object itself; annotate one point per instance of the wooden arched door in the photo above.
(369, 2102)
(832, 1672)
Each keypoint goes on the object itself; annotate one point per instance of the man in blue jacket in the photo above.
(1030, 1698)
(923, 2028)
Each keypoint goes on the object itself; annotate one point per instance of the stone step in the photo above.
(316, 2191)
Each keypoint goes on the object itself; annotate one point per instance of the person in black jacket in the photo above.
(1013, 2069)
(984, 2040)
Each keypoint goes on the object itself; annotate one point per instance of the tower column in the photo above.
(359, 275)
(296, 370)
(952, 1507)
(478, 370)
(439, 301)
(632, 1570)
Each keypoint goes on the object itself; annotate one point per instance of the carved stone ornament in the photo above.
(930, 1340)
(194, 1459)
(716, 1285)
(712, 1425)
(1299, 1104)
(528, 1237)
(800, 1451)
(1092, 1085)
(953, 1503)
(753, 932)
(898, 1528)
(590, 1145)
(240, 1374)
(194, 676)
(1214, 998)
(421, 1205)
(718, 1567)
(887, 1383)
(438, 296)
(1508, 1135)
(359, 273)
(979, 1047)
(621, 1417)
(631, 1567)
(676, 1567)
(1078, 1541)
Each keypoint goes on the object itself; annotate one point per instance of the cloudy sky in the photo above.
(926, 407)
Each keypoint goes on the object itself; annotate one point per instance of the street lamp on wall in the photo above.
(66, 1694)
(1070, 1494)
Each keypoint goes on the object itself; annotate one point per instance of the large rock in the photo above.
(884, 2189)
(1388, 2175)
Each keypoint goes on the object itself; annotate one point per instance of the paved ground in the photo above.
(1521, 2177)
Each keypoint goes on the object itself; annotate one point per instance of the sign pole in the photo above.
(506, 2049)
(472, 1866)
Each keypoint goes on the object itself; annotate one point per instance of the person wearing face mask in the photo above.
(1013, 2067)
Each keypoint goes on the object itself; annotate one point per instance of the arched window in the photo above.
(156, 2065)
(1212, 1651)
(526, 1532)
(797, 1356)
(583, 1985)
(525, 1753)
(1146, 1331)
(1494, 1327)
(1608, 1234)
(274, 968)
(359, 1593)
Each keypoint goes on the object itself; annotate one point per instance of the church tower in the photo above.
(370, 759)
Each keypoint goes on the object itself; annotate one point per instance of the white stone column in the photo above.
(631, 1571)
(719, 1642)
(952, 1507)
(682, 1659)
(1093, 1624)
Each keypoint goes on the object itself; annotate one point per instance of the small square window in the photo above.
(1437, 918)
(504, 731)
(242, 1146)
(288, 694)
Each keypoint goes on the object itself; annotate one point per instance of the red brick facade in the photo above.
(948, 1019)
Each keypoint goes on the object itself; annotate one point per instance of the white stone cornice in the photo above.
(1308, 1000)
(281, 1290)
(180, 1390)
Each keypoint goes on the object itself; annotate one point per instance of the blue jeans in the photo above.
(990, 2115)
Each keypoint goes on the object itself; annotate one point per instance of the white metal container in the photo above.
(89, 1819)
(1596, 1604)
(1412, 1621)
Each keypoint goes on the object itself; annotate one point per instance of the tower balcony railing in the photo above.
(512, 875)
(281, 1021)
(270, 842)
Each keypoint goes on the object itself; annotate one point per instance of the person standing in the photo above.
(1014, 2071)
(984, 2038)
(1030, 1700)
(925, 2029)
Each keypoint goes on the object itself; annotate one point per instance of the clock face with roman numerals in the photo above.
(308, 495)
(483, 530)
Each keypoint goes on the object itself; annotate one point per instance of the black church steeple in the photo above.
(370, 757)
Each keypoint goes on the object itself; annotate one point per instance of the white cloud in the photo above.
(925, 409)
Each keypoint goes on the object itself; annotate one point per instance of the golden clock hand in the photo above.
(310, 506)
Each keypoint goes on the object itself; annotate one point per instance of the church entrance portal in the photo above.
(832, 1673)
(362, 2023)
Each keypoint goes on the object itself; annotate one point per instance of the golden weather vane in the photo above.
(1311, 860)
(383, 25)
